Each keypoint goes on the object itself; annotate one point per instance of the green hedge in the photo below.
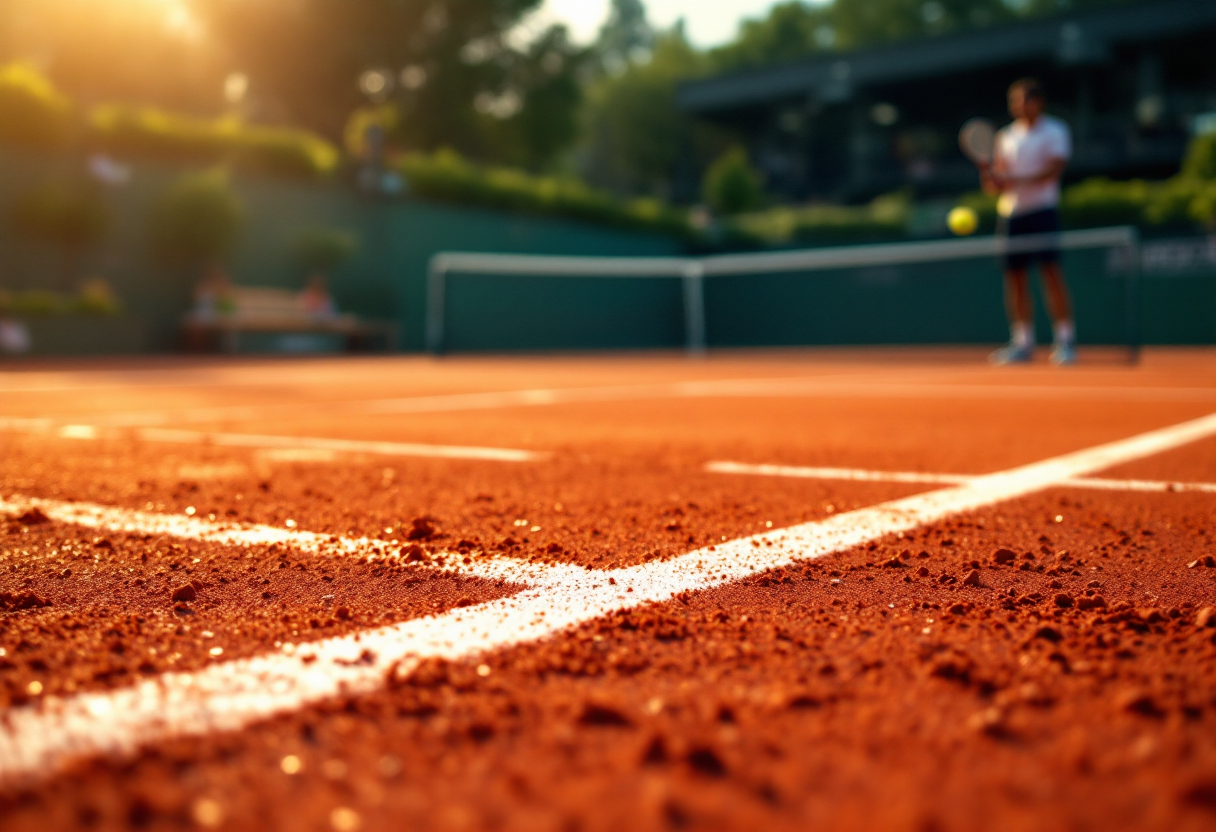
(1183, 200)
(1200, 161)
(732, 185)
(1100, 201)
(445, 176)
(198, 220)
(883, 219)
(147, 133)
(94, 298)
(33, 115)
(1180, 201)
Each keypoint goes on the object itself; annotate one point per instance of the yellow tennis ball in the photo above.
(962, 221)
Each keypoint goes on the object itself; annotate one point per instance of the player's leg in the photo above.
(1019, 309)
(1059, 304)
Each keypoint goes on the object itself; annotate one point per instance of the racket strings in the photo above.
(977, 140)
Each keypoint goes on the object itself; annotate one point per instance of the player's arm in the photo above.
(1053, 170)
(992, 177)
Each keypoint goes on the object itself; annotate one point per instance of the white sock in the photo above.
(1065, 334)
(1021, 334)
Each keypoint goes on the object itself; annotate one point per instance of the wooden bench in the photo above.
(278, 311)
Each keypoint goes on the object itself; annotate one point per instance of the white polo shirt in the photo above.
(1028, 151)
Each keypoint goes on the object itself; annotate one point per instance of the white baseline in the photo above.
(263, 441)
(847, 386)
(38, 740)
(863, 475)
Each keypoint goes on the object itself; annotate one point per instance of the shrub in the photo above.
(446, 177)
(732, 185)
(96, 297)
(198, 220)
(883, 219)
(156, 134)
(1203, 205)
(1101, 201)
(1174, 202)
(38, 302)
(324, 249)
(1200, 161)
(841, 224)
(32, 113)
(1188, 198)
(1169, 202)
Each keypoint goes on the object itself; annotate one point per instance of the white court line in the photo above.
(863, 475)
(1139, 485)
(797, 387)
(122, 520)
(857, 474)
(37, 740)
(242, 440)
(247, 440)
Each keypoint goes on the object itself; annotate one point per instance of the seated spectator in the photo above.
(212, 296)
(316, 301)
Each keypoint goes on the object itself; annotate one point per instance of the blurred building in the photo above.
(1135, 82)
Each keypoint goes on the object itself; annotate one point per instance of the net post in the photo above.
(1132, 294)
(694, 308)
(436, 285)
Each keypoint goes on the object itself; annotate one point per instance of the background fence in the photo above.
(387, 277)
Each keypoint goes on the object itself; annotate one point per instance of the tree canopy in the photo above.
(473, 75)
(634, 132)
(626, 35)
(307, 56)
(460, 73)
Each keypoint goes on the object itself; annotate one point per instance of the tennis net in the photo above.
(927, 292)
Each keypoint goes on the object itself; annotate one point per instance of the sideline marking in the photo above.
(823, 386)
(186, 527)
(863, 475)
(244, 440)
(856, 474)
(37, 740)
(1140, 485)
(288, 443)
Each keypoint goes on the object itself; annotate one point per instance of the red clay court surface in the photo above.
(805, 590)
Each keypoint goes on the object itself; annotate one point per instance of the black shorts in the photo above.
(1046, 221)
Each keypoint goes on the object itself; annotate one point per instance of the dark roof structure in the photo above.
(1068, 40)
(1131, 80)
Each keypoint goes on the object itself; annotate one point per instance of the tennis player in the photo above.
(1029, 158)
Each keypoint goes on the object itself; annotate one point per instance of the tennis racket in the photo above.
(977, 140)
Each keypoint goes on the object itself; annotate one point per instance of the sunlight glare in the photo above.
(175, 15)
